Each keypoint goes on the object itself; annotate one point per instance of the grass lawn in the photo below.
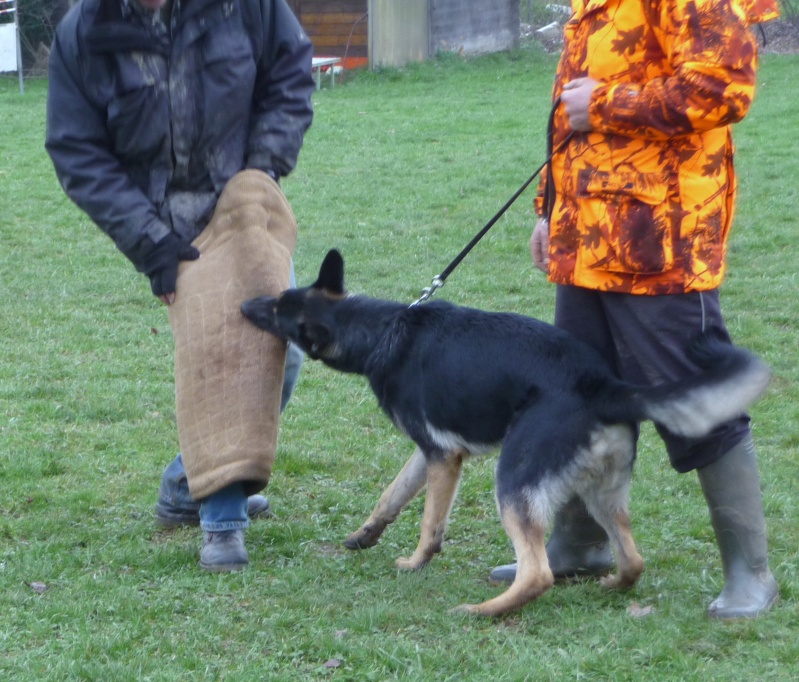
(400, 169)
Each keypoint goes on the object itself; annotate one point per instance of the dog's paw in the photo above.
(364, 538)
(616, 582)
(466, 610)
(410, 564)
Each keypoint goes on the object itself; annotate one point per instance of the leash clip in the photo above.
(427, 292)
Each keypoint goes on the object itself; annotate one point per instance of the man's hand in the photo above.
(539, 245)
(576, 98)
(161, 265)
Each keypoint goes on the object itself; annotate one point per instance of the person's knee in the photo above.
(687, 454)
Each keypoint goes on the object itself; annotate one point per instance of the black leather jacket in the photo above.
(145, 128)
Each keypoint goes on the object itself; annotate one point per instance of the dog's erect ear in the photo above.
(331, 274)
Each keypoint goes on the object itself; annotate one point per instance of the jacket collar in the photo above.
(113, 31)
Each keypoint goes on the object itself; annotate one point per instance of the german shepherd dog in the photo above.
(460, 382)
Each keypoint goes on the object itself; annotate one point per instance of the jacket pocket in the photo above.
(623, 222)
(138, 122)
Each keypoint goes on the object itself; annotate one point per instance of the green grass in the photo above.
(400, 169)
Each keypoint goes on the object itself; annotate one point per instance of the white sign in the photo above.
(8, 47)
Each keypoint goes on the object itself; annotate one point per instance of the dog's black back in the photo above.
(469, 373)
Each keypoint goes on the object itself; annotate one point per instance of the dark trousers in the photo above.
(645, 339)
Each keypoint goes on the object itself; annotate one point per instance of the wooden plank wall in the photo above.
(337, 28)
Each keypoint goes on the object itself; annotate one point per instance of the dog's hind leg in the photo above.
(629, 563)
(402, 490)
(527, 490)
(607, 500)
(533, 575)
(443, 476)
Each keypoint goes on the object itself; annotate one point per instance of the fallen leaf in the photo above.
(638, 611)
(39, 588)
(332, 663)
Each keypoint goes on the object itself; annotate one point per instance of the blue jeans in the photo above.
(226, 509)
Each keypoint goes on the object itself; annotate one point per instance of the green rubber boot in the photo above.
(731, 486)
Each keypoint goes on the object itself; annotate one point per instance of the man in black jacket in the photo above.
(153, 106)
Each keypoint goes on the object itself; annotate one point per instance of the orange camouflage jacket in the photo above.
(643, 204)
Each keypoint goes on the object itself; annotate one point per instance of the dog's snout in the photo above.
(254, 308)
(261, 311)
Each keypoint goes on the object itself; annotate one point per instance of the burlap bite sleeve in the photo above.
(228, 373)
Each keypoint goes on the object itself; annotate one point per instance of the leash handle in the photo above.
(440, 280)
(549, 189)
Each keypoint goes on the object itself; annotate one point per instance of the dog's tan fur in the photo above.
(442, 484)
(410, 480)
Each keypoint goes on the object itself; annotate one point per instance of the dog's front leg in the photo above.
(402, 490)
(443, 476)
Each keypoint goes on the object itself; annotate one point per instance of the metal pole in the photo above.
(19, 52)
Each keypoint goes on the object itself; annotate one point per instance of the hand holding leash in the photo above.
(576, 98)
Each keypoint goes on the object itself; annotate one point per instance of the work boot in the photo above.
(577, 546)
(223, 551)
(169, 516)
(731, 486)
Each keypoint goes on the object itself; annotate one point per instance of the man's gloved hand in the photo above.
(161, 264)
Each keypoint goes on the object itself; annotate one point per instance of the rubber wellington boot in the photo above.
(731, 487)
(577, 546)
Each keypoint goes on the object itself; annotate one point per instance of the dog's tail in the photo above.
(729, 381)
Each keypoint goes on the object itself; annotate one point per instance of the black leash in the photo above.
(440, 280)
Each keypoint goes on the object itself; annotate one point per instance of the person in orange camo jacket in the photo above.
(634, 217)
